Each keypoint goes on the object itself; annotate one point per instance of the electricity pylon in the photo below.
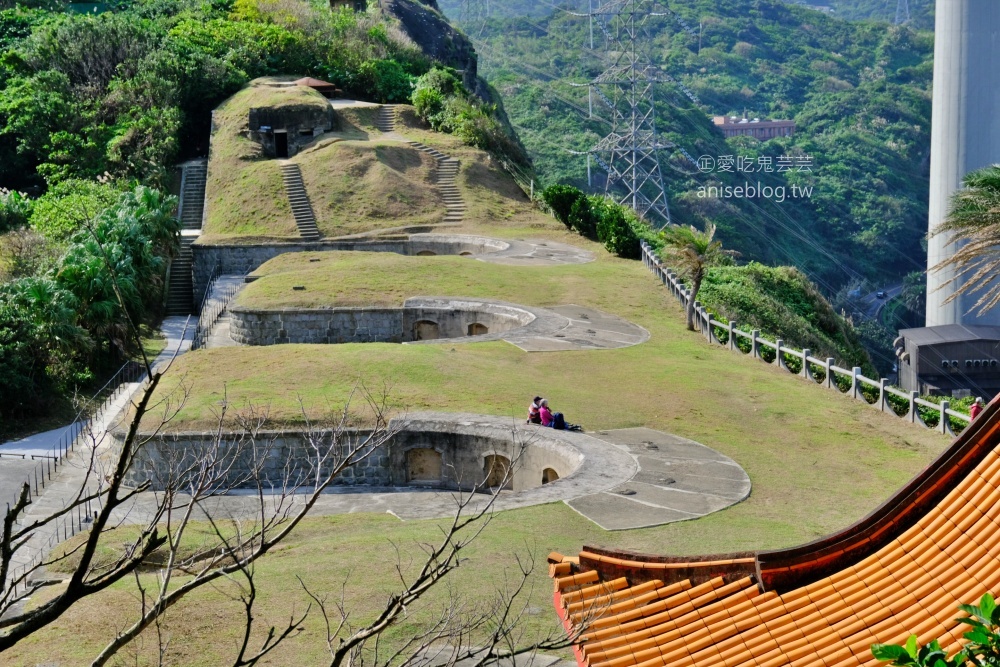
(629, 152)
(902, 12)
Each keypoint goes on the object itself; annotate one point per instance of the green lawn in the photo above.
(818, 461)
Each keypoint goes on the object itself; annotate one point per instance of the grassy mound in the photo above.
(387, 279)
(358, 186)
(817, 460)
(357, 180)
(245, 196)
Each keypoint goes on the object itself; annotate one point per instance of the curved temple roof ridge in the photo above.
(901, 570)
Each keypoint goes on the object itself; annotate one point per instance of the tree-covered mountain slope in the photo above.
(921, 11)
(859, 93)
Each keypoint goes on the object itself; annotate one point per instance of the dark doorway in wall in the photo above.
(425, 330)
(423, 465)
(549, 475)
(280, 144)
(496, 469)
(477, 329)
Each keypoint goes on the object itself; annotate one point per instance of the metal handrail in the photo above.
(709, 325)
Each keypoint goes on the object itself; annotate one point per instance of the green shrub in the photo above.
(782, 302)
(430, 93)
(15, 210)
(561, 198)
(384, 81)
(583, 217)
(616, 229)
(67, 206)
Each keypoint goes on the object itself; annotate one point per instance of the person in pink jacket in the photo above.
(545, 413)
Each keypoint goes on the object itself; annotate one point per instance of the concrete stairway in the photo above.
(301, 207)
(180, 300)
(180, 297)
(386, 121)
(447, 170)
(192, 205)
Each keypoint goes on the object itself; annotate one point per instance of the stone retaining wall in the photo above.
(462, 455)
(209, 260)
(218, 259)
(443, 320)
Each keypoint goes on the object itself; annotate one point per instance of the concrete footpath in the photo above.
(80, 469)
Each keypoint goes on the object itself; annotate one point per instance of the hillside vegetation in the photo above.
(781, 303)
(859, 93)
(921, 11)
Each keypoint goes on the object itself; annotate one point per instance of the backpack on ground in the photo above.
(558, 422)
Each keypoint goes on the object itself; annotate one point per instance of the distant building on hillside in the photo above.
(732, 126)
(950, 360)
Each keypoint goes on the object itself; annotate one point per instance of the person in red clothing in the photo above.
(545, 413)
(976, 408)
(533, 416)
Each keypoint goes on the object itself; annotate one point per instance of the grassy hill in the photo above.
(859, 93)
(358, 179)
(818, 461)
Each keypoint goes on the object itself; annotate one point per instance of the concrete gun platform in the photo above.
(628, 478)
(677, 480)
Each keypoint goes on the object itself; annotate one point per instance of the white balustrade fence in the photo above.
(877, 393)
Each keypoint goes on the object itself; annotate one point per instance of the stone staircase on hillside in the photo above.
(180, 298)
(192, 204)
(447, 170)
(386, 121)
(302, 209)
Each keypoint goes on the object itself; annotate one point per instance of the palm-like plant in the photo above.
(691, 253)
(974, 222)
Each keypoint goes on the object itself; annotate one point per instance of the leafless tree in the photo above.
(184, 483)
(184, 486)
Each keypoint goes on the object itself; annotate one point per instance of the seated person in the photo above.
(533, 416)
(544, 413)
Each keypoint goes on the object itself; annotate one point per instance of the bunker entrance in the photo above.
(425, 330)
(496, 470)
(423, 466)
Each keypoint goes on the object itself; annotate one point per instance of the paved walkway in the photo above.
(224, 291)
(678, 479)
(80, 468)
(538, 252)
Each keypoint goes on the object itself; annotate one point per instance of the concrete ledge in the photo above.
(671, 478)
(222, 259)
(436, 320)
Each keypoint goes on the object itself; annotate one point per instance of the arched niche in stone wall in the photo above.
(496, 469)
(423, 465)
(426, 330)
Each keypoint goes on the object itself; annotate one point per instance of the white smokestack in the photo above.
(965, 131)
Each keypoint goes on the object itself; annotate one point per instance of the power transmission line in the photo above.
(629, 153)
(902, 12)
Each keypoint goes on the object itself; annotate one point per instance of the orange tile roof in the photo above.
(903, 569)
